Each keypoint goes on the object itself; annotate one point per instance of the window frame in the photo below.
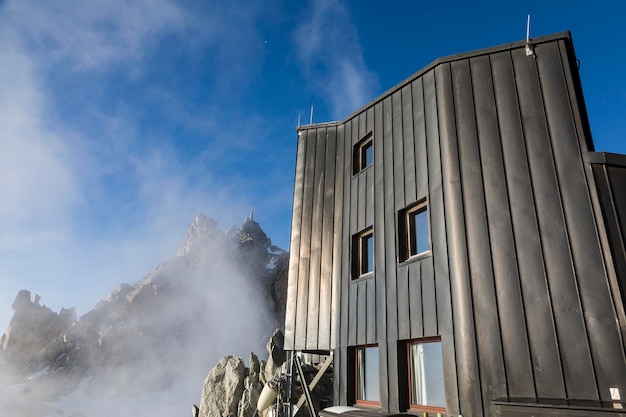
(359, 152)
(410, 383)
(356, 380)
(358, 261)
(406, 241)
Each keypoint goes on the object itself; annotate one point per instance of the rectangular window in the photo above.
(363, 154)
(362, 253)
(426, 380)
(414, 235)
(367, 375)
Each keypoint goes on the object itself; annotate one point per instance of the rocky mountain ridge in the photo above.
(223, 292)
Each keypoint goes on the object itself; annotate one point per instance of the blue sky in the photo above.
(120, 121)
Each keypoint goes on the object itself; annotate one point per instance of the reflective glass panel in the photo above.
(426, 369)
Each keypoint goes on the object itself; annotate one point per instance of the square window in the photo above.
(363, 154)
(413, 231)
(426, 380)
(362, 253)
(367, 375)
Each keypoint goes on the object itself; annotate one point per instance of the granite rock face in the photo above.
(231, 386)
(223, 388)
(232, 390)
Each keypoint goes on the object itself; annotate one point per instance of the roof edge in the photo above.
(439, 61)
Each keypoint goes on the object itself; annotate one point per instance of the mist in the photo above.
(146, 348)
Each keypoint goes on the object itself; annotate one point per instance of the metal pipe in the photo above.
(305, 387)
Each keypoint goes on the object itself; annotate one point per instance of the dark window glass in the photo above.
(367, 256)
(413, 232)
(362, 253)
(363, 154)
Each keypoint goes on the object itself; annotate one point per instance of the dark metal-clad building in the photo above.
(459, 246)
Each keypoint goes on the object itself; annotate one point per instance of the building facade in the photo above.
(458, 245)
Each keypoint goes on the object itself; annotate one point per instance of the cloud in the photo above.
(332, 59)
(38, 184)
(95, 190)
(93, 35)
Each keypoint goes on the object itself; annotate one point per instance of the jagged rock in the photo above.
(202, 233)
(276, 356)
(252, 389)
(223, 388)
(32, 328)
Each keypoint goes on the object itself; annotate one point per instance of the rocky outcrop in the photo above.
(223, 388)
(202, 235)
(232, 390)
(276, 356)
(32, 329)
(231, 386)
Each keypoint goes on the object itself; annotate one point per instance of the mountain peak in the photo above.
(202, 232)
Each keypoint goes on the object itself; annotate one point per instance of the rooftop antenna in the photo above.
(311, 118)
(299, 115)
(529, 48)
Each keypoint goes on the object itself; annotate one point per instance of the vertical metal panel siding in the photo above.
(465, 338)
(486, 323)
(406, 159)
(305, 241)
(380, 243)
(617, 181)
(429, 298)
(400, 182)
(386, 257)
(371, 178)
(326, 268)
(419, 131)
(361, 311)
(372, 310)
(510, 303)
(409, 144)
(346, 237)
(314, 281)
(338, 248)
(610, 181)
(345, 262)
(570, 326)
(404, 314)
(588, 266)
(616, 193)
(414, 289)
(537, 306)
(432, 179)
(294, 250)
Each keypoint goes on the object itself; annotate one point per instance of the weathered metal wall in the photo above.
(609, 176)
(516, 285)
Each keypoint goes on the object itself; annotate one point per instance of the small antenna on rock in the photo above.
(529, 47)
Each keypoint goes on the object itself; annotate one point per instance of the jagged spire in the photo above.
(202, 232)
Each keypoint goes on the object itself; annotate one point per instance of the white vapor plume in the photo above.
(332, 57)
